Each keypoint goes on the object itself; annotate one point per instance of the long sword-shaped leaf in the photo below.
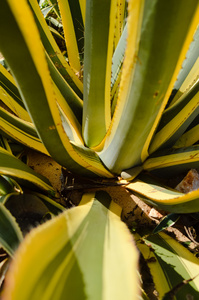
(52, 205)
(82, 4)
(8, 82)
(54, 51)
(154, 193)
(13, 167)
(118, 57)
(184, 99)
(189, 62)
(176, 120)
(56, 34)
(173, 162)
(10, 233)
(99, 32)
(117, 63)
(5, 144)
(189, 81)
(42, 101)
(119, 21)
(148, 78)
(10, 94)
(21, 131)
(69, 95)
(75, 266)
(11, 105)
(73, 31)
(189, 138)
(170, 265)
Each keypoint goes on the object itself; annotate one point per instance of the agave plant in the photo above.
(118, 102)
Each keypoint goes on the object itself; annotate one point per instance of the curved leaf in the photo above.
(173, 161)
(162, 197)
(21, 131)
(189, 81)
(72, 267)
(10, 233)
(191, 58)
(10, 94)
(163, 34)
(170, 265)
(13, 167)
(69, 95)
(189, 138)
(99, 32)
(176, 119)
(73, 31)
(52, 205)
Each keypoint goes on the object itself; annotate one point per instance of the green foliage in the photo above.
(104, 100)
(166, 222)
(74, 268)
(173, 267)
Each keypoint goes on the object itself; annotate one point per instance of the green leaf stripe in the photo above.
(72, 267)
